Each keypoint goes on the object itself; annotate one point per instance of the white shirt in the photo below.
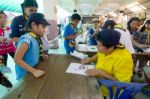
(126, 40)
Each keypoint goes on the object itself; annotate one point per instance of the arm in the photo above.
(101, 73)
(138, 44)
(95, 33)
(89, 60)
(70, 37)
(19, 60)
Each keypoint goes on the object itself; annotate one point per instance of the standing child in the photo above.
(29, 47)
(93, 31)
(71, 33)
(6, 46)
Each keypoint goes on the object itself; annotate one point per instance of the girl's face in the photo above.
(29, 10)
(3, 19)
(134, 25)
(103, 49)
(38, 29)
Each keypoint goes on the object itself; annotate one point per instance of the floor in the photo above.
(11, 76)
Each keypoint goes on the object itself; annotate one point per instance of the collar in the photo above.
(33, 34)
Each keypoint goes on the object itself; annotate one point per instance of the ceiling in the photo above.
(97, 7)
(84, 7)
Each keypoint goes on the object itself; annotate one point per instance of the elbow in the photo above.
(16, 60)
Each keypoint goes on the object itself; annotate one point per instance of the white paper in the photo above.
(82, 47)
(86, 48)
(79, 55)
(92, 48)
(75, 68)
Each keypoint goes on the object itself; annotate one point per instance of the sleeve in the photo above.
(137, 35)
(66, 31)
(123, 69)
(14, 28)
(24, 40)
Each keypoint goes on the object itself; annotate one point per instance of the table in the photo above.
(87, 49)
(56, 84)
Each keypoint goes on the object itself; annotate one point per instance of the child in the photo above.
(6, 46)
(114, 62)
(71, 33)
(93, 32)
(29, 47)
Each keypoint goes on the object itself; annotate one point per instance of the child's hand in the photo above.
(85, 61)
(45, 57)
(38, 73)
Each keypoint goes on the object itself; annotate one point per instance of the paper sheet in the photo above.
(92, 49)
(77, 68)
(79, 55)
(86, 48)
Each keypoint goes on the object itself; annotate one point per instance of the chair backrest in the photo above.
(123, 90)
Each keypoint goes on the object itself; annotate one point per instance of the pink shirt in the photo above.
(8, 46)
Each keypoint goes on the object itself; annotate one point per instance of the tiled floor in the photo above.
(11, 76)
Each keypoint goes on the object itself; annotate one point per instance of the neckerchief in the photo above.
(41, 53)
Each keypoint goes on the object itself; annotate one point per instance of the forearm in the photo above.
(106, 75)
(93, 59)
(69, 37)
(93, 35)
(24, 65)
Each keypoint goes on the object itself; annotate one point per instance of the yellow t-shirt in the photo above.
(118, 64)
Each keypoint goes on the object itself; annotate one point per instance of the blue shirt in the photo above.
(17, 26)
(69, 31)
(31, 57)
(92, 41)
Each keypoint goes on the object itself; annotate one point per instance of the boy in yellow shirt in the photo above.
(114, 62)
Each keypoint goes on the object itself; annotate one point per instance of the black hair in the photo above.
(109, 23)
(109, 38)
(143, 27)
(28, 3)
(75, 17)
(130, 21)
(2, 12)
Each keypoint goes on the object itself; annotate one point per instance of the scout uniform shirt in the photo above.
(32, 55)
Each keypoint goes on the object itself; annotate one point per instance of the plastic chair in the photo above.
(123, 90)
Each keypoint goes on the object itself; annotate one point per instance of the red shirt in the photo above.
(7, 46)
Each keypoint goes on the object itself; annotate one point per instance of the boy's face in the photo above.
(3, 19)
(75, 22)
